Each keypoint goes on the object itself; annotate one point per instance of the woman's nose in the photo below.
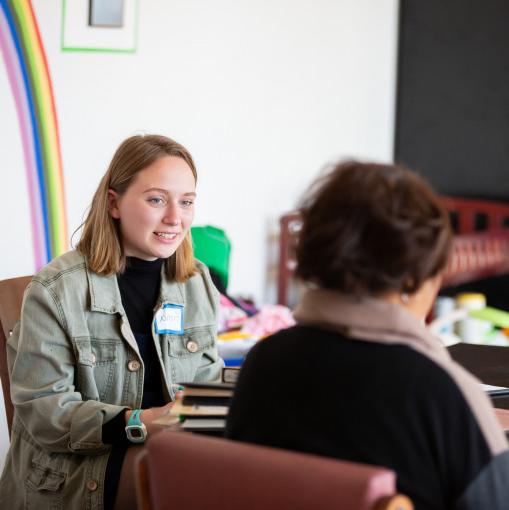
(172, 215)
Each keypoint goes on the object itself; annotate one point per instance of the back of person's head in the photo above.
(100, 241)
(369, 229)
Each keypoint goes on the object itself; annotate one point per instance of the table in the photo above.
(488, 363)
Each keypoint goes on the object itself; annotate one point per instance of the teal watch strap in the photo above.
(135, 418)
(135, 429)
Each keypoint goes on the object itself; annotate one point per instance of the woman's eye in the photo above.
(156, 201)
(187, 203)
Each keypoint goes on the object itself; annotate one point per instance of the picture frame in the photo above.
(77, 34)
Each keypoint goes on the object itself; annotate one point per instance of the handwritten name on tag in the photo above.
(170, 319)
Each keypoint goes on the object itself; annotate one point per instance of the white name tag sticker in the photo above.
(170, 319)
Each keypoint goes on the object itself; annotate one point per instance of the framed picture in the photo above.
(100, 25)
(106, 13)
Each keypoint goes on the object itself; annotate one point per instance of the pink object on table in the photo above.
(230, 316)
(270, 319)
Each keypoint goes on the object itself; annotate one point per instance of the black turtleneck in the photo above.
(139, 289)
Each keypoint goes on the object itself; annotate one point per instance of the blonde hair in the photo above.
(100, 241)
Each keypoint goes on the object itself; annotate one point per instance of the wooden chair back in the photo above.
(11, 297)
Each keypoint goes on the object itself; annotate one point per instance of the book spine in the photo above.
(205, 401)
(230, 374)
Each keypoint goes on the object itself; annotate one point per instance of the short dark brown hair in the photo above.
(370, 229)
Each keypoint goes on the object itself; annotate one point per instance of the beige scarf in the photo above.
(368, 319)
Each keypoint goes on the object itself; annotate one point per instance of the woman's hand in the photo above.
(147, 416)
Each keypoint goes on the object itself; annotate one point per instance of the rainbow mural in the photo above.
(28, 74)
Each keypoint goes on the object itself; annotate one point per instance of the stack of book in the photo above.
(203, 406)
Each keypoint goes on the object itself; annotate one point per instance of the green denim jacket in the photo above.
(74, 365)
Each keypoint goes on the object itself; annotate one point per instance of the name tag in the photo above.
(170, 319)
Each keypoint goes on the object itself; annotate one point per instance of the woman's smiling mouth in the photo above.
(166, 235)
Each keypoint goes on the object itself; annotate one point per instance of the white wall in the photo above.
(263, 93)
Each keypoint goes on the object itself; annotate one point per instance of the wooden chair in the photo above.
(11, 297)
(183, 471)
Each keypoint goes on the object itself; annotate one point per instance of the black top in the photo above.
(139, 289)
(317, 391)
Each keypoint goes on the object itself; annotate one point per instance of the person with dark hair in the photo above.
(360, 377)
(107, 331)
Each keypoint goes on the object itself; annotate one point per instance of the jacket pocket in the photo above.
(192, 343)
(44, 488)
(187, 351)
(97, 360)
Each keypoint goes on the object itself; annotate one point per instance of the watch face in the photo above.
(136, 433)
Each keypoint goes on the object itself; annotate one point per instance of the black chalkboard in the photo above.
(452, 118)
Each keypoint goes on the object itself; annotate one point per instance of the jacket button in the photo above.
(92, 485)
(192, 346)
(133, 366)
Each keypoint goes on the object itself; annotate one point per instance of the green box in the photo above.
(212, 247)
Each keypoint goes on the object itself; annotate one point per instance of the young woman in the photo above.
(360, 378)
(106, 333)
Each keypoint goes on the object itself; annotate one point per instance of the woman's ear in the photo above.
(113, 204)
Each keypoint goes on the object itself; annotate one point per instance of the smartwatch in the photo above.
(135, 429)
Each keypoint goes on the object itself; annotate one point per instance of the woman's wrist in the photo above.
(144, 415)
(148, 415)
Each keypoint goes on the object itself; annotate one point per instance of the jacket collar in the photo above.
(367, 319)
(105, 293)
(171, 291)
